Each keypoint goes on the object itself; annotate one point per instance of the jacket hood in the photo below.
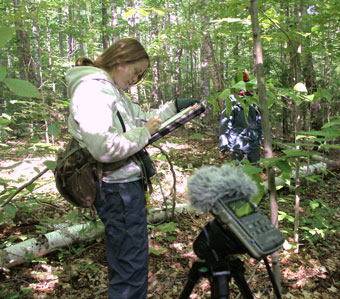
(79, 74)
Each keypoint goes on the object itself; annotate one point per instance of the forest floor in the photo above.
(79, 271)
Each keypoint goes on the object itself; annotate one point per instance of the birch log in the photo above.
(44, 244)
(303, 172)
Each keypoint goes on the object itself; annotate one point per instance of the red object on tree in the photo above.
(245, 77)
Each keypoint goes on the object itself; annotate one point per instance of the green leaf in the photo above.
(240, 85)
(10, 209)
(22, 88)
(13, 295)
(309, 98)
(283, 165)
(157, 251)
(271, 98)
(297, 153)
(300, 87)
(53, 129)
(197, 136)
(313, 204)
(1, 217)
(160, 12)
(323, 94)
(330, 124)
(31, 187)
(50, 164)
(11, 166)
(143, 12)
(6, 33)
(3, 73)
(225, 94)
(129, 13)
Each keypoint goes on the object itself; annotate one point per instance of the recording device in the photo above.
(226, 192)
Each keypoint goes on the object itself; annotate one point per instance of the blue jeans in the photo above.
(123, 212)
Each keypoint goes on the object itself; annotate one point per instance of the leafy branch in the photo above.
(7, 201)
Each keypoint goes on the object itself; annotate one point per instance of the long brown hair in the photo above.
(127, 50)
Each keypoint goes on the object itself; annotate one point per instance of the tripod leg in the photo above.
(273, 280)
(194, 275)
(238, 274)
(220, 285)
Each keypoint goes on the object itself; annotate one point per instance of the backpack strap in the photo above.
(121, 121)
(106, 169)
(71, 152)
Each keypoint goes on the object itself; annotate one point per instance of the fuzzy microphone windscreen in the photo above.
(211, 183)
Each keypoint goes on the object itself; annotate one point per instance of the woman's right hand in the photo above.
(153, 124)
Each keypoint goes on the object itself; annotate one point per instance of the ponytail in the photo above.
(84, 61)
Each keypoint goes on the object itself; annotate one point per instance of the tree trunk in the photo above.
(157, 91)
(105, 36)
(204, 68)
(26, 62)
(216, 78)
(114, 22)
(265, 126)
(60, 34)
(71, 40)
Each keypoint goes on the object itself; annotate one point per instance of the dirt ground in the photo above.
(79, 271)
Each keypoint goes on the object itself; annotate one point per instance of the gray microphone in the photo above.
(210, 184)
(226, 192)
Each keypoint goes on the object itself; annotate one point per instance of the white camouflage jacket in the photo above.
(93, 120)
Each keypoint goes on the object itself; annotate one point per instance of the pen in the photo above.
(142, 120)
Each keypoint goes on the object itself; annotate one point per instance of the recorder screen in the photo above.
(241, 207)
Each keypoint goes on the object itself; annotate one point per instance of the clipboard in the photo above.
(177, 120)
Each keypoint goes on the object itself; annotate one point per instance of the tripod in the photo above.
(216, 261)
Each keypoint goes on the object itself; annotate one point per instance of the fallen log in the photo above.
(46, 243)
(303, 172)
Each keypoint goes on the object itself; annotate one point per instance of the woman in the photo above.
(105, 122)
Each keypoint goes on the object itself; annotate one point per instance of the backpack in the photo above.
(75, 175)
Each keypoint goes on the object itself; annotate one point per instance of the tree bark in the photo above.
(26, 61)
(157, 90)
(44, 244)
(265, 126)
(105, 36)
(215, 75)
(114, 22)
(204, 67)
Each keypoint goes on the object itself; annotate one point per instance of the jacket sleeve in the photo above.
(94, 122)
(164, 112)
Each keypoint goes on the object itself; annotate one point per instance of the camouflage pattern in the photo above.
(240, 137)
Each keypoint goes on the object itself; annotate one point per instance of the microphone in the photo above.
(210, 185)
(226, 192)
